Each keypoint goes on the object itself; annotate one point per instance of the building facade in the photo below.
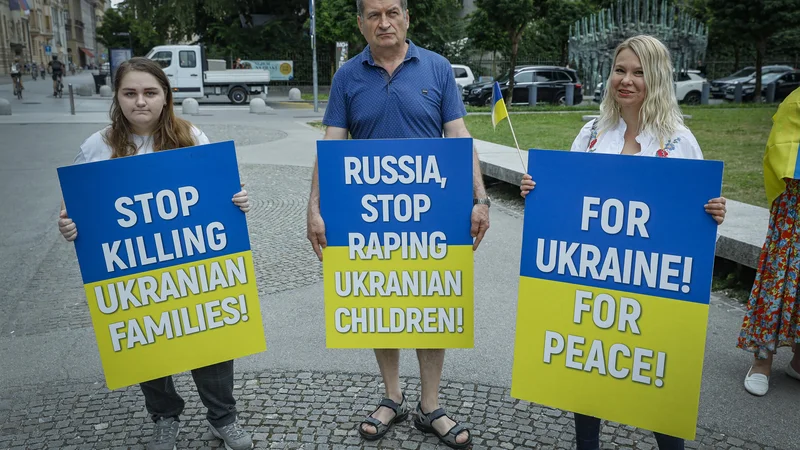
(58, 43)
(80, 30)
(41, 28)
(101, 53)
(16, 36)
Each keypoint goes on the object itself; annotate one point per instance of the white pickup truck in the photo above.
(187, 68)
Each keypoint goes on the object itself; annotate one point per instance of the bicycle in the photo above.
(60, 87)
(18, 87)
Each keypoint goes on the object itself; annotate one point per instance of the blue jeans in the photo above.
(587, 435)
(214, 385)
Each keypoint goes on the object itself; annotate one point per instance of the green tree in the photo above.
(483, 35)
(512, 16)
(336, 22)
(143, 33)
(435, 25)
(114, 22)
(755, 21)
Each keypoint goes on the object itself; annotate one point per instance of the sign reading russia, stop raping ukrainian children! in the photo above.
(398, 266)
(615, 279)
(166, 262)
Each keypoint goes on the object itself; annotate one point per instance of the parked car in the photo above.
(688, 88)
(463, 75)
(550, 82)
(785, 83)
(719, 85)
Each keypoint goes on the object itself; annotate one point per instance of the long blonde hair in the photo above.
(171, 131)
(659, 114)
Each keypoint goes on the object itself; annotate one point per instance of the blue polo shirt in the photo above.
(414, 102)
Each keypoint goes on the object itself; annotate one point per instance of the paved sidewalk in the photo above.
(301, 410)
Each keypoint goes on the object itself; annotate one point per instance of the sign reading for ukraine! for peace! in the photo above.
(615, 280)
(165, 259)
(398, 265)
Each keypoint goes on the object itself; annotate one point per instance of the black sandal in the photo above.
(424, 422)
(400, 414)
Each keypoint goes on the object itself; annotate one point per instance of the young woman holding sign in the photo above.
(773, 311)
(638, 116)
(143, 121)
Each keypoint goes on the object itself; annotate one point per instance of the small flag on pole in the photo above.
(499, 111)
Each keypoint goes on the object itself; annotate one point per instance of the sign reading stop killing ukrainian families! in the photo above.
(166, 262)
(615, 280)
(398, 265)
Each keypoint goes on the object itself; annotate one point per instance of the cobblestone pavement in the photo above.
(300, 411)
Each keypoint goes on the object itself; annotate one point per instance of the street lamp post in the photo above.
(314, 53)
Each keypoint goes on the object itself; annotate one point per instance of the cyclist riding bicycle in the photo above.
(16, 73)
(57, 68)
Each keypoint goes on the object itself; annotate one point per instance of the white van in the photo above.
(189, 75)
(463, 75)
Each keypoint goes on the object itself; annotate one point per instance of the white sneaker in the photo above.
(791, 372)
(756, 383)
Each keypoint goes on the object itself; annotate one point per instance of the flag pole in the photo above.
(519, 152)
(497, 99)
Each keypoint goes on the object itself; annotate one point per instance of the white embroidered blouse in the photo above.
(681, 145)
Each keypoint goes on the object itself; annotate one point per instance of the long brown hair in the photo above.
(171, 131)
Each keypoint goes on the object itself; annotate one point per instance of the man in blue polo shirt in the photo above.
(395, 90)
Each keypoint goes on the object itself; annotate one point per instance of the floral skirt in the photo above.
(773, 310)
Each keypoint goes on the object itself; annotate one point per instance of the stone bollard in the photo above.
(257, 106)
(5, 107)
(85, 90)
(294, 94)
(569, 94)
(770, 93)
(532, 94)
(705, 94)
(190, 106)
(105, 91)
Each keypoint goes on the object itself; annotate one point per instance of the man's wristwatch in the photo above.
(482, 201)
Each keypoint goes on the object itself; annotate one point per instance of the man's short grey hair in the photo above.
(360, 6)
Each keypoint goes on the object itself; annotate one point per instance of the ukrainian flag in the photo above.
(782, 159)
(499, 111)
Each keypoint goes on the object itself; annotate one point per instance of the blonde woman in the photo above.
(639, 116)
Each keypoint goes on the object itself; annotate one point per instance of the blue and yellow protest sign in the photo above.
(166, 262)
(398, 266)
(615, 280)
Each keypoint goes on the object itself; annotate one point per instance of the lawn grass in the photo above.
(310, 97)
(736, 136)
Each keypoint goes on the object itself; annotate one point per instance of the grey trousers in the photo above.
(214, 385)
